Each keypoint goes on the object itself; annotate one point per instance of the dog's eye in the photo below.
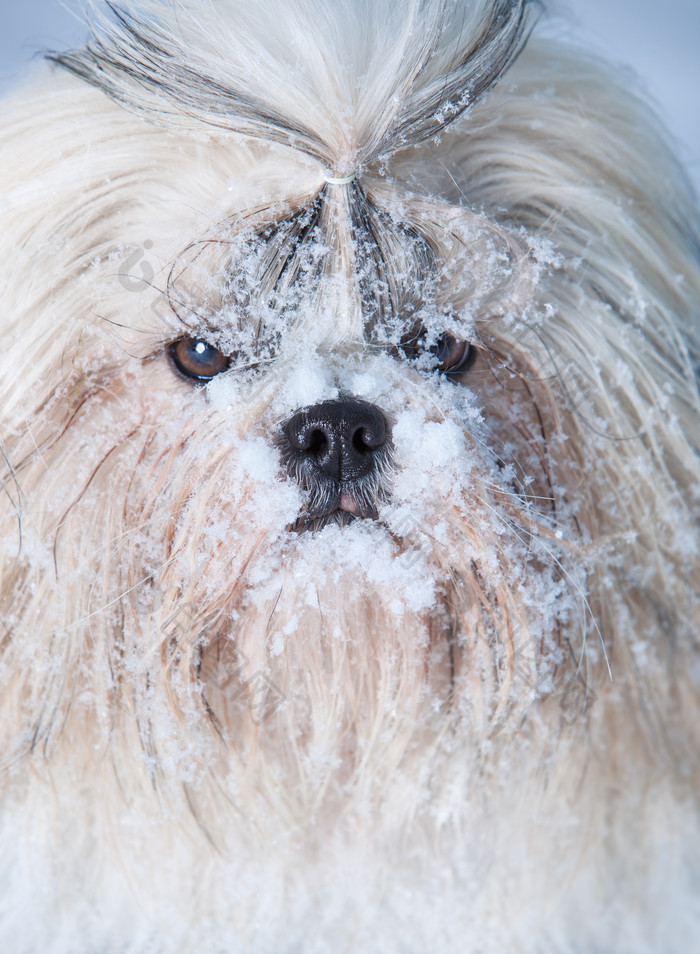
(197, 359)
(453, 356)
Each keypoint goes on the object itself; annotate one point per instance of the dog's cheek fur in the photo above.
(373, 715)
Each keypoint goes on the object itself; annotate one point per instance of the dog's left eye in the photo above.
(196, 358)
(453, 355)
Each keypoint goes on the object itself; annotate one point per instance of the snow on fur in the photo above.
(469, 724)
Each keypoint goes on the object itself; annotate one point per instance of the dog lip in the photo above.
(345, 511)
(348, 503)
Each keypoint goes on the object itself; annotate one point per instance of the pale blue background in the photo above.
(659, 39)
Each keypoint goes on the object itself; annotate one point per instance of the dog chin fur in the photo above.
(455, 709)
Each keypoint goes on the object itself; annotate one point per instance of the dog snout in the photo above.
(343, 440)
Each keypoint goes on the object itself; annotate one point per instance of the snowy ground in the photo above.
(661, 42)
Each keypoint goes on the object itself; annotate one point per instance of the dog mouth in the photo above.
(346, 507)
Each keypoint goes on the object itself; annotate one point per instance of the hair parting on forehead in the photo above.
(445, 55)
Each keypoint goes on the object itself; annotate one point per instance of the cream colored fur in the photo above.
(477, 728)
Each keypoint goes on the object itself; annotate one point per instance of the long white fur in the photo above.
(422, 785)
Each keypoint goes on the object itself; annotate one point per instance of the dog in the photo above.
(350, 480)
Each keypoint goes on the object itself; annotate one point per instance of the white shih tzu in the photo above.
(350, 575)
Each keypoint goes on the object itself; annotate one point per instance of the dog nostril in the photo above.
(365, 441)
(316, 443)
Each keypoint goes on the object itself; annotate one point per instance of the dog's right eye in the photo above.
(453, 356)
(196, 358)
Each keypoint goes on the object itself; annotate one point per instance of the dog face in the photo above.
(349, 474)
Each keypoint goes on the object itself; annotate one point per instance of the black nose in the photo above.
(343, 440)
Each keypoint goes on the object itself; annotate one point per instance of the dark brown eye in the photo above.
(453, 356)
(196, 358)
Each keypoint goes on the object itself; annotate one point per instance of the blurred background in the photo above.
(658, 41)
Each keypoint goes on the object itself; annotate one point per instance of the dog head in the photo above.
(347, 416)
